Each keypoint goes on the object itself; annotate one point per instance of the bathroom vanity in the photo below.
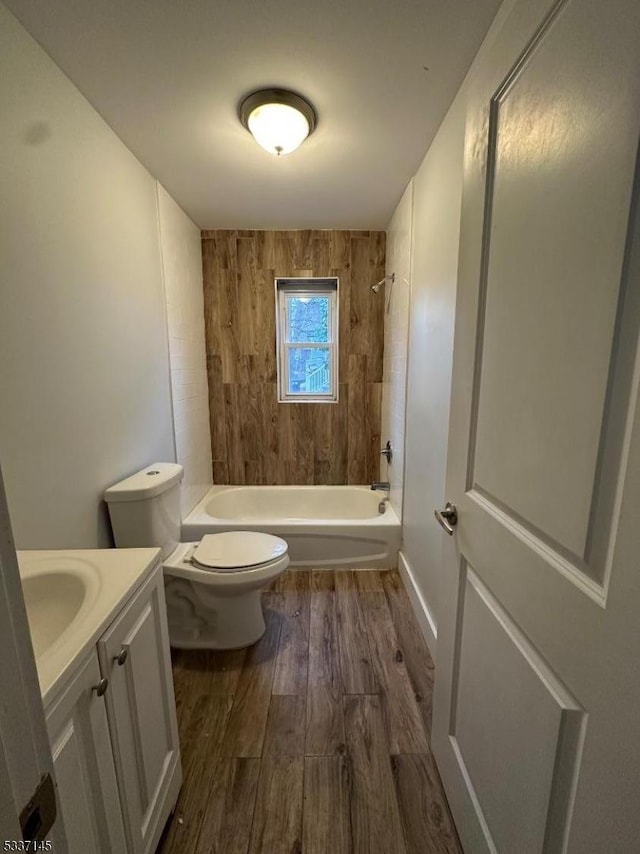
(99, 630)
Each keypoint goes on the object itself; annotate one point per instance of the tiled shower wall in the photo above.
(396, 337)
(255, 439)
(182, 268)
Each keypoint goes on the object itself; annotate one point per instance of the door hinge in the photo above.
(39, 815)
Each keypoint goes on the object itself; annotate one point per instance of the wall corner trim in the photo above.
(421, 608)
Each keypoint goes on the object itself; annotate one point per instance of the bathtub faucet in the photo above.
(383, 485)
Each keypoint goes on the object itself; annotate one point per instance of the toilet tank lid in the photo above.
(151, 481)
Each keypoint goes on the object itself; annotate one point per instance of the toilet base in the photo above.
(199, 619)
(182, 638)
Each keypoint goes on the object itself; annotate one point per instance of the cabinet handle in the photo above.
(121, 657)
(101, 687)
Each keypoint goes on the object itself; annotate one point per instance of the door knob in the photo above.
(122, 656)
(447, 518)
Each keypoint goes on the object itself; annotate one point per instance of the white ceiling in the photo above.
(168, 76)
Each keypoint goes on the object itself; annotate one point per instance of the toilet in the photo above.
(212, 587)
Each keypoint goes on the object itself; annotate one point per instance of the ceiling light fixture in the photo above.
(279, 120)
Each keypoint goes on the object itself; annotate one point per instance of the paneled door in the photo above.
(83, 762)
(537, 701)
(134, 657)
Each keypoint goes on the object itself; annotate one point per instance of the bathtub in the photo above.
(325, 526)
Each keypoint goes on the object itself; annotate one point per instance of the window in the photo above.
(307, 340)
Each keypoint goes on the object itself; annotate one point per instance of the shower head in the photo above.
(376, 288)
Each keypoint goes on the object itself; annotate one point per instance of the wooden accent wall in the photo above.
(255, 439)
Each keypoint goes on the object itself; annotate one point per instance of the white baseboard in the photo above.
(421, 609)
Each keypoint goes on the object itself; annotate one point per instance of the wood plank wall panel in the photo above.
(255, 439)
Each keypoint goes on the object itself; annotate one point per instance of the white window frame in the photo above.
(307, 287)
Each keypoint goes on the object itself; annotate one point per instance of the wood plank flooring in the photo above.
(316, 739)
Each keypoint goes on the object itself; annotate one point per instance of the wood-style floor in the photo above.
(316, 739)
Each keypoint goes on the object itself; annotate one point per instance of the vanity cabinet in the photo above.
(83, 760)
(114, 734)
(134, 657)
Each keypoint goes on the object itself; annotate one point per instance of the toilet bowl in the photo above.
(212, 587)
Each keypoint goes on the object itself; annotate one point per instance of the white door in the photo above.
(537, 700)
(25, 756)
(83, 762)
(134, 657)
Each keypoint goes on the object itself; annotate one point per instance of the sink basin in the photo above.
(53, 600)
(70, 596)
(59, 592)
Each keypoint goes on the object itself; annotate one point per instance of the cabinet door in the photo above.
(83, 760)
(134, 656)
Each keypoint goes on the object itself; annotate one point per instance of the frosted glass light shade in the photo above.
(279, 120)
(278, 128)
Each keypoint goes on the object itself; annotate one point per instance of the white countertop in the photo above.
(108, 577)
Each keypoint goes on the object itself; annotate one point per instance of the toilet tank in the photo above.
(145, 508)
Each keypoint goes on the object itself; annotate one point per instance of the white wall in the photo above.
(84, 369)
(437, 200)
(396, 337)
(437, 195)
(181, 248)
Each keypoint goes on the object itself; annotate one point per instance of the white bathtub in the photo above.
(325, 526)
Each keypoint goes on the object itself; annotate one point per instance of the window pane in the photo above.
(309, 371)
(308, 319)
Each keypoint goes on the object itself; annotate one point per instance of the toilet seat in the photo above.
(181, 564)
(237, 550)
